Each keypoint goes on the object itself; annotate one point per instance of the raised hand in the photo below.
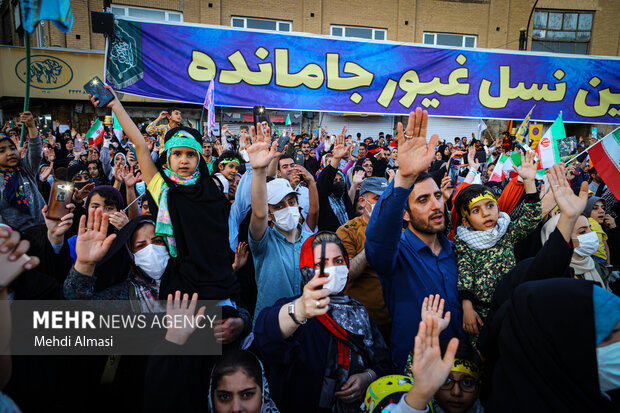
(414, 154)
(569, 204)
(182, 309)
(241, 255)
(119, 219)
(56, 229)
(93, 241)
(527, 171)
(340, 148)
(114, 102)
(127, 174)
(433, 306)
(357, 178)
(303, 173)
(261, 152)
(471, 158)
(80, 194)
(446, 188)
(314, 300)
(429, 369)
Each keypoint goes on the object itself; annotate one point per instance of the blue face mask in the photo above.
(608, 359)
(140, 187)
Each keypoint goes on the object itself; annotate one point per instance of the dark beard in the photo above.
(426, 227)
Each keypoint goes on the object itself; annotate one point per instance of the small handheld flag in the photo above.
(523, 130)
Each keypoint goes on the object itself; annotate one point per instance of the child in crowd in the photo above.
(484, 243)
(188, 201)
(20, 200)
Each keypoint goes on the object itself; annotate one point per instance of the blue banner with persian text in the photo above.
(319, 73)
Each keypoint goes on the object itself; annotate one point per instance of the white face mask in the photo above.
(588, 244)
(608, 360)
(337, 276)
(153, 260)
(372, 207)
(287, 219)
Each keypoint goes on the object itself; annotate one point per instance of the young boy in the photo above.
(484, 243)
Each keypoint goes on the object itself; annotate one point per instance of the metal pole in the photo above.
(27, 92)
(527, 30)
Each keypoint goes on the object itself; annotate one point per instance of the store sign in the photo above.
(321, 73)
(55, 74)
(46, 72)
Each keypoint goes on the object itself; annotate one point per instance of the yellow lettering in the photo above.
(361, 77)
(606, 99)
(202, 68)
(242, 73)
(387, 94)
(311, 75)
(506, 92)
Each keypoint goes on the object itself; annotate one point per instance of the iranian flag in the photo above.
(547, 149)
(605, 156)
(95, 133)
(504, 166)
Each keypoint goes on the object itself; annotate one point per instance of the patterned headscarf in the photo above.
(164, 223)
(14, 189)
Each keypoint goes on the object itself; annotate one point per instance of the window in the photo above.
(562, 31)
(359, 32)
(447, 39)
(147, 14)
(260, 24)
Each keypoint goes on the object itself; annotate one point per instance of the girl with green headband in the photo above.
(192, 214)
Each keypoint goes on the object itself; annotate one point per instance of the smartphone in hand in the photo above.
(299, 159)
(282, 141)
(60, 196)
(95, 87)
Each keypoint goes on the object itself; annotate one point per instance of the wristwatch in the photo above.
(291, 312)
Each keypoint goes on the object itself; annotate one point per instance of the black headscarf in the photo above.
(547, 350)
(114, 267)
(199, 216)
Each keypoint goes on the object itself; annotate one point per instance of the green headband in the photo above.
(229, 160)
(183, 139)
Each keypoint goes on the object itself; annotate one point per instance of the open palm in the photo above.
(429, 369)
(433, 306)
(568, 203)
(261, 152)
(92, 241)
(414, 154)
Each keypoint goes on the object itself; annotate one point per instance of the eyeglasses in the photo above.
(466, 384)
(13, 133)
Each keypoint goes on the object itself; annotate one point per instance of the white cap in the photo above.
(277, 189)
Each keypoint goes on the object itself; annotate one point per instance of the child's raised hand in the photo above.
(527, 171)
(433, 306)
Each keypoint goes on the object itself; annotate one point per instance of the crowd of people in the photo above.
(385, 274)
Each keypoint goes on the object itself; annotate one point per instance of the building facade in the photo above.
(564, 26)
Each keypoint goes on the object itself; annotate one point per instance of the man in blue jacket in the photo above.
(419, 261)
